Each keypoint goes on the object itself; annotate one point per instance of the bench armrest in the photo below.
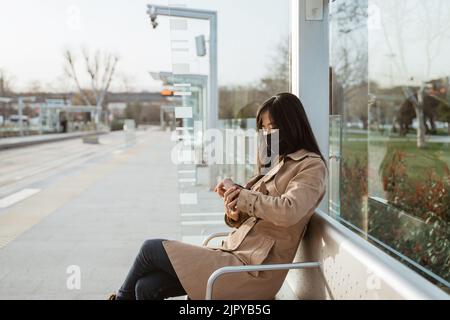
(213, 236)
(264, 267)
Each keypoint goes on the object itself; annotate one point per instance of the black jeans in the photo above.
(152, 276)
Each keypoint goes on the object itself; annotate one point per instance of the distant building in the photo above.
(117, 109)
(149, 104)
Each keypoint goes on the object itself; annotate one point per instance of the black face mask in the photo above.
(269, 149)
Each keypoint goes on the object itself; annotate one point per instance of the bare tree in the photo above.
(71, 72)
(5, 90)
(434, 26)
(242, 101)
(34, 86)
(100, 68)
(127, 83)
(350, 60)
(351, 15)
(277, 79)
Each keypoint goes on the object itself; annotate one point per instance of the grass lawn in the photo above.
(418, 161)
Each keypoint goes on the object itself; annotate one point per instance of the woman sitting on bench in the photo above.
(270, 214)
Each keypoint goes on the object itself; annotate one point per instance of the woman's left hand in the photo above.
(231, 197)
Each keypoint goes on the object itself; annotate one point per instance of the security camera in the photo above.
(153, 21)
(152, 13)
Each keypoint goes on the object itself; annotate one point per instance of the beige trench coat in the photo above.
(274, 211)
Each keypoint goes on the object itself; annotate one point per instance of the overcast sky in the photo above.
(406, 42)
(409, 41)
(33, 35)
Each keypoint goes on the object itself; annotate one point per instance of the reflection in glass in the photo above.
(390, 83)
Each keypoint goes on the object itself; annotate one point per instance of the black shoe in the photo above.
(113, 296)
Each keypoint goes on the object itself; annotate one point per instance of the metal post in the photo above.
(49, 119)
(97, 115)
(210, 16)
(212, 115)
(40, 119)
(161, 118)
(310, 67)
(58, 120)
(20, 105)
(213, 74)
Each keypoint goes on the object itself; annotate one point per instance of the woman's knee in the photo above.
(151, 245)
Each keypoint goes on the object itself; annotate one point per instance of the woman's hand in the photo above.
(223, 186)
(230, 198)
(229, 191)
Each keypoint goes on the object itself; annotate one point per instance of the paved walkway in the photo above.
(94, 218)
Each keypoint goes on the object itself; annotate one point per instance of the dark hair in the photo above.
(295, 133)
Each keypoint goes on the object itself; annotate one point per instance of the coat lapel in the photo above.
(296, 156)
(252, 181)
(257, 180)
(273, 171)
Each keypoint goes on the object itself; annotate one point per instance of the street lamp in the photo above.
(213, 93)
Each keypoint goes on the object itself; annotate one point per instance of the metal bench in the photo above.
(248, 268)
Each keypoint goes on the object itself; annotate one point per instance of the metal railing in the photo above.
(249, 268)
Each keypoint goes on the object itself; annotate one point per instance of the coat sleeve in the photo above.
(302, 194)
(242, 215)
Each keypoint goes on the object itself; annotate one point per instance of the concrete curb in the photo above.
(48, 138)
